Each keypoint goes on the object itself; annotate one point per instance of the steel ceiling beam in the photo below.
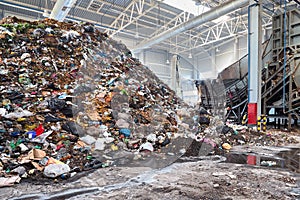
(180, 18)
(127, 17)
(228, 27)
(14, 5)
(197, 21)
(147, 22)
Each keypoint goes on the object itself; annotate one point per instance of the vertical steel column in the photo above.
(290, 101)
(213, 63)
(195, 69)
(254, 62)
(236, 49)
(142, 56)
(173, 81)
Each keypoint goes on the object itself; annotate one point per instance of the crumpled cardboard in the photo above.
(34, 154)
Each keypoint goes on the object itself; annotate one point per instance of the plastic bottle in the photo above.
(44, 161)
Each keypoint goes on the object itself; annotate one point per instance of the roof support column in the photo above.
(214, 72)
(175, 79)
(254, 62)
(236, 50)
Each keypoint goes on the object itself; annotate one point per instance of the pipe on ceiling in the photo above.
(210, 15)
(61, 9)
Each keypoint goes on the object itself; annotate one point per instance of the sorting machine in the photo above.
(280, 78)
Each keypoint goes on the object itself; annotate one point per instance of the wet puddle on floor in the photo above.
(78, 193)
(287, 159)
(292, 159)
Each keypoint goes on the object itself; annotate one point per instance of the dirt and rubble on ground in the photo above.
(205, 179)
(74, 100)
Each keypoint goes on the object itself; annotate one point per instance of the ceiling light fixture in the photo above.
(136, 35)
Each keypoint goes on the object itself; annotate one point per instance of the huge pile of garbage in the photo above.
(68, 90)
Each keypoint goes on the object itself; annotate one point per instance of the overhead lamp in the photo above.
(217, 49)
(167, 62)
(190, 55)
(136, 35)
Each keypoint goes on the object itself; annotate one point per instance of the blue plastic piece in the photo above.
(63, 96)
(31, 134)
(125, 131)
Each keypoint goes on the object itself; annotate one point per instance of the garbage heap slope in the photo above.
(68, 90)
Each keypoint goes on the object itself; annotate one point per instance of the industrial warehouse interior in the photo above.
(150, 99)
